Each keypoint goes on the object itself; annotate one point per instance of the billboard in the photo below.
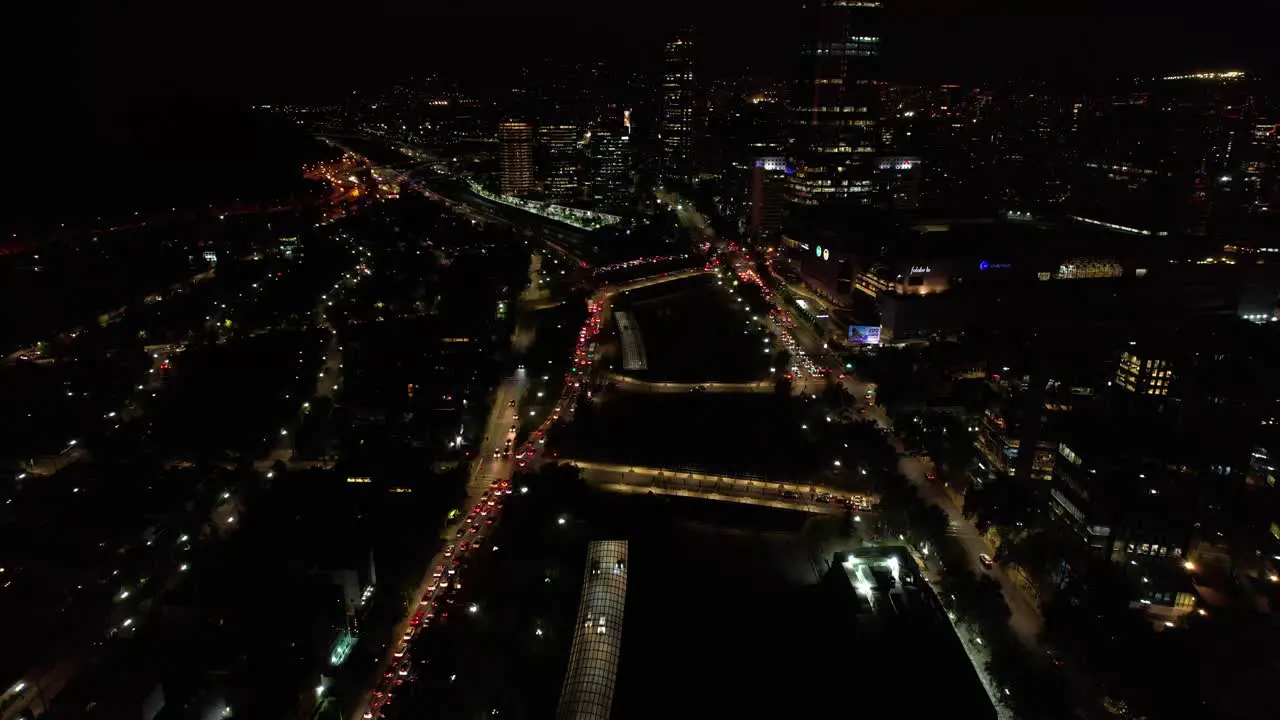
(864, 334)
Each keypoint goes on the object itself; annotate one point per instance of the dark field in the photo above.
(692, 333)
(731, 433)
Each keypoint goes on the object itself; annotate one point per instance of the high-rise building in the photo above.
(1140, 373)
(834, 102)
(610, 152)
(678, 99)
(515, 141)
(767, 193)
(899, 181)
(561, 161)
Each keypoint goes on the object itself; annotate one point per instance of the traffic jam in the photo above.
(442, 593)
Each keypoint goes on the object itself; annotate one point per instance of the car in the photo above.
(408, 633)
(460, 532)
(400, 651)
(511, 403)
(464, 546)
(471, 517)
(448, 552)
(417, 617)
(475, 528)
(512, 429)
(986, 560)
(497, 453)
(438, 571)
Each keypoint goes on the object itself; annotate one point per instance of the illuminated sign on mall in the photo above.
(984, 265)
(920, 269)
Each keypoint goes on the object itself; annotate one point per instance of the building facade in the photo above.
(767, 197)
(515, 145)
(560, 179)
(679, 98)
(610, 154)
(834, 125)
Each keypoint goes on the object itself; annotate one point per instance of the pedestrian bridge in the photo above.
(634, 479)
(626, 382)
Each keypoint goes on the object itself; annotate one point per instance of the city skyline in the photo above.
(415, 364)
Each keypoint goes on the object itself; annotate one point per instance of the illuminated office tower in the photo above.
(678, 100)
(515, 141)
(561, 145)
(834, 102)
(610, 152)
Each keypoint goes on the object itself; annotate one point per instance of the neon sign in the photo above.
(920, 269)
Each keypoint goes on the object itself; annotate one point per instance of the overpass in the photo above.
(807, 497)
(644, 282)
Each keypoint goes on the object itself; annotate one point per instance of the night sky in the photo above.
(272, 52)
